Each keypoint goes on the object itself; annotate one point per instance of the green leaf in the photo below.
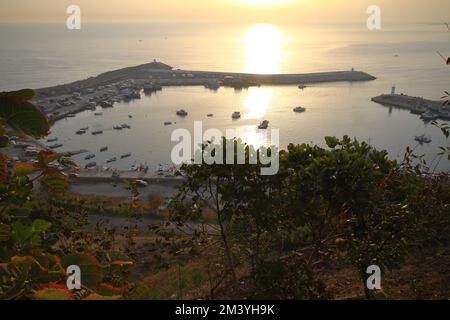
(91, 270)
(40, 225)
(22, 114)
(332, 142)
(55, 181)
(53, 292)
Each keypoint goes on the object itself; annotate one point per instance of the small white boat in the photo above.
(299, 109)
(236, 115)
(264, 125)
(423, 139)
(117, 128)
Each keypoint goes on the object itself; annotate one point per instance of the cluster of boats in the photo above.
(423, 139)
(109, 160)
(122, 126)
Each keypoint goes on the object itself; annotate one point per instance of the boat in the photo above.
(56, 146)
(80, 132)
(106, 104)
(98, 113)
(210, 115)
(263, 125)
(52, 140)
(97, 132)
(302, 86)
(118, 127)
(236, 115)
(130, 116)
(89, 157)
(423, 139)
(428, 115)
(114, 159)
(91, 165)
(182, 113)
(167, 123)
(104, 149)
(71, 115)
(299, 109)
(127, 155)
(125, 126)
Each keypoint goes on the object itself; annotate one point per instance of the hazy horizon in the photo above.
(231, 11)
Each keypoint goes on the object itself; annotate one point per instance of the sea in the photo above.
(404, 56)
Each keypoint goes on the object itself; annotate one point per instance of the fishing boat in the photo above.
(182, 113)
(91, 165)
(264, 125)
(236, 115)
(126, 155)
(104, 149)
(299, 109)
(52, 140)
(114, 159)
(97, 132)
(423, 139)
(80, 132)
(89, 157)
(56, 146)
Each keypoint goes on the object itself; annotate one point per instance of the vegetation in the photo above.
(39, 241)
(230, 232)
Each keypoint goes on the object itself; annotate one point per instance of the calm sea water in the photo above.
(404, 56)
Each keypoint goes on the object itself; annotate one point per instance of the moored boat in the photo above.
(264, 125)
(299, 109)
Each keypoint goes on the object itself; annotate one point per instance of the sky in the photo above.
(233, 11)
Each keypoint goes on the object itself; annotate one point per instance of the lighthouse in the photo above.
(393, 91)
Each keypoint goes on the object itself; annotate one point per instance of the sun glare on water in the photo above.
(263, 44)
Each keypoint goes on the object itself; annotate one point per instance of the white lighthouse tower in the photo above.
(393, 91)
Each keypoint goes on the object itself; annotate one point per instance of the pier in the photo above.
(416, 105)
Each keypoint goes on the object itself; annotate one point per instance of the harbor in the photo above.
(106, 89)
(427, 109)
